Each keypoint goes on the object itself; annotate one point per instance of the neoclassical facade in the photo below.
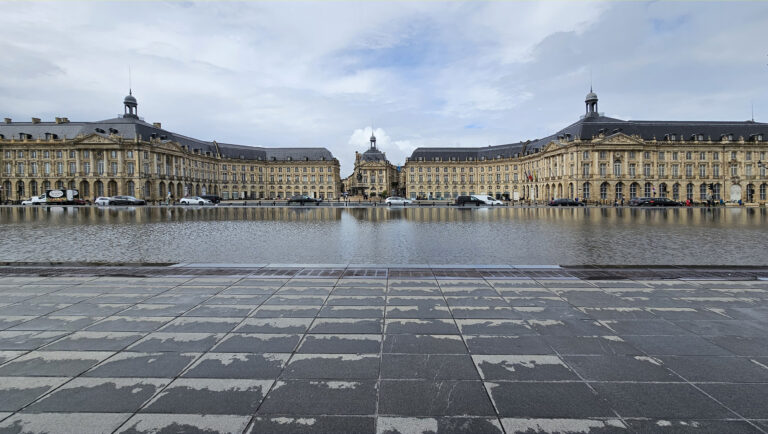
(601, 159)
(127, 156)
(373, 175)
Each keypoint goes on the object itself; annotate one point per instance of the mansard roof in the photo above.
(589, 127)
(130, 128)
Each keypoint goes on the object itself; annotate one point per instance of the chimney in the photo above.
(35, 120)
(58, 120)
(157, 125)
(64, 120)
(7, 120)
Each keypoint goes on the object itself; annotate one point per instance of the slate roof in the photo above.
(373, 155)
(592, 126)
(129, 128)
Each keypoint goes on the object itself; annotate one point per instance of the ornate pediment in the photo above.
(618, 139)
(95, 139)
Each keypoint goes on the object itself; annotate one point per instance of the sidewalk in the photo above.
(382, 348)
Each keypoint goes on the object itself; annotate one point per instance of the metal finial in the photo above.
(130, 91)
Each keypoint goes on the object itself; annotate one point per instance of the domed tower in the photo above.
(373, 140)
(131, 106)
(591, 102)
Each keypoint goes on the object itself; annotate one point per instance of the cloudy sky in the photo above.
(320, 73)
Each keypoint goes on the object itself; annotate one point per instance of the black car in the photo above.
(653, 201)
(212, 197)
(302, 199)
(665, 201)
(566, 202)
(468, 200)
(126, 200)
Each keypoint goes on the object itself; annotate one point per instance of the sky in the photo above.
(323, 73)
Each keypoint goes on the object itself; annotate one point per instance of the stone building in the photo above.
(602, 159)
(127, 156)
(373, 175)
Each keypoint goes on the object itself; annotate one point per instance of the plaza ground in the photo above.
(256, 348)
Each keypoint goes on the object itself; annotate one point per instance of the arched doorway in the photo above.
(179, 190)
(33, 188)
(619, 190)
(585, 190)
(147, 190)
(750, 193)
(675, 191)
(98, 188)
(161, 191)
(663, 192)
(570, 190)
(130, 188)
(85, 190)
(112, 188)
(20, 191)
(604, 191)
(633, 190)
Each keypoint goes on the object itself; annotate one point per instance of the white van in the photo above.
(488, 200)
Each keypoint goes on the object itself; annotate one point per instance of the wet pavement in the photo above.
(293, 348)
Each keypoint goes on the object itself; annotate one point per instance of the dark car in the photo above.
(126, 200)
(641, 201)
(665, 201)
(212, 197)
(302, 199)
(468, 200)
(566, 202)
(653, 201)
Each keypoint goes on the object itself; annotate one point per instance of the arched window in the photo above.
(585, 190)
(716, 192)
(763, 191)
(750, 193)
(703, 192)
(676, 191)
(663, 190)
(20, 190)
(689, 191)
(633, 190)
(604, 191)
(33, 188)
(647, 190)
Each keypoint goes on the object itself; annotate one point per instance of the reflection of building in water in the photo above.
(373, 175)
(127, 156)
(599, 158)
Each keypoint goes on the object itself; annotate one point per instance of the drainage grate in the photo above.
(366, 272)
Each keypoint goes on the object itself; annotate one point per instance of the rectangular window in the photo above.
(734, 170)
(617, 169)
(603, 169)
(689, 170)
(632, 170)
(100, 167)
(113, 167)
(72, 168)
(703, 171)
(662, 170)
(661, 155)
(33, 168)
(715, 156)
(59, 168)
(702, 156)
(20, 169)
(647, 170)
(71, 154)
(129, 168)
(716, 170)
(675, 170)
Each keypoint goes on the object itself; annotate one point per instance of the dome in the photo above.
(373, 138)
(591, 96)
(130, 99)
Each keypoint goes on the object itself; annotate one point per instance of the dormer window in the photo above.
(673, 137)
(153, 136)
(730, 137)
(113, 131)
(700, 137)
(100, 130)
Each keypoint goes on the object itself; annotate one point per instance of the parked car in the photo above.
(102, 200)
(125, 200)
(28, 201)
(665, 201)
(566, 202)
(397, 200)
(212, 197)
(653, 201)
(194, 200)
(302, 199)
(469, 200)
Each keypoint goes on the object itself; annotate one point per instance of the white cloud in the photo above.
(429, 73)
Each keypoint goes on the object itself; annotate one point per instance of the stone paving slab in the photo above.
(284, 348)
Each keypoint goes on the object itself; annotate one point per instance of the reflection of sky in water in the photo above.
(386, 236)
